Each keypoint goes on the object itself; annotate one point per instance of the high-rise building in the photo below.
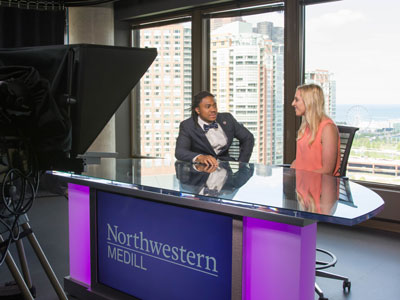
(325, 79)
(247, 78)
(278, 34)
(265, 28)
(274, 33)
(166, 88)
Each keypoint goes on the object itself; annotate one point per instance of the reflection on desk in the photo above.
(317, 192)
(196, 179)
(255, 187)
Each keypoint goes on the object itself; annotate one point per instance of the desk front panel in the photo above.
(185, 253)
(149, 250)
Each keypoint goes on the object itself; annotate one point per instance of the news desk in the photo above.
(155, 229)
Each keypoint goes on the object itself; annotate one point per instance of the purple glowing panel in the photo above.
(278, 260)
(79, 232)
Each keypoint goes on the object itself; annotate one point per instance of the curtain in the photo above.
(29, 27)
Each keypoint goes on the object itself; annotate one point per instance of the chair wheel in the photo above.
(322, 298)
(346, 286)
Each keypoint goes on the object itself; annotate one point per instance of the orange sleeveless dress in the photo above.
(309, 157)
(309, 188)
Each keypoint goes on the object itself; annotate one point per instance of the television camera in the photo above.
(54, 101)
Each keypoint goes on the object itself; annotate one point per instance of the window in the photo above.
(244, 50)
(352, 52)
(164, 88)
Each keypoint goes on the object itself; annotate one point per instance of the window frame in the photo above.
(294, 60)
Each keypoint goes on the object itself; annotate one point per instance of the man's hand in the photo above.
(207, 160)
(205, 168)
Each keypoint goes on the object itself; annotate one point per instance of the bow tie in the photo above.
(212, 125)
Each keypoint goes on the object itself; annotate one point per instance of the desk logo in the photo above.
(152, 250)
(130, 248)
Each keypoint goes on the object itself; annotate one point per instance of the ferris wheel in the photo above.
(358, 116)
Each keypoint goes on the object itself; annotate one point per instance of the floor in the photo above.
(371, 258)
(48, 219)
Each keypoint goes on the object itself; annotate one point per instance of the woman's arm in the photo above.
(293, 165)
(329, 140)
(329, 194)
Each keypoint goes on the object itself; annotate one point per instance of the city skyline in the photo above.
(246, 76)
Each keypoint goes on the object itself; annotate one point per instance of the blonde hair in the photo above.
(314, 102)
(306, 204)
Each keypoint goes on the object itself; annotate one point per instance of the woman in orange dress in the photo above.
(318, 141)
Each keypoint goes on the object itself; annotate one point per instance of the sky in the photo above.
(359, 42)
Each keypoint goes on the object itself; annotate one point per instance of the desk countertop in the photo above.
(262, 191)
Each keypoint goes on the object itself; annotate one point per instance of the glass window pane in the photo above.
(246, 75)
(352, 50)
(166, 89)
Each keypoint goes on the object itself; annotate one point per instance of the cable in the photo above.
(17, 193)
(4, 249)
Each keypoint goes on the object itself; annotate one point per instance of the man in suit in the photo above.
(207, 135)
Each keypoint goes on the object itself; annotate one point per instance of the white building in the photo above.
(247, 79)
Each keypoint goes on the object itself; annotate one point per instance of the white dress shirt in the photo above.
(216, 136)
(215, 181)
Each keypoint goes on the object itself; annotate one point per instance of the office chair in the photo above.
(234, 149)
(346, 134)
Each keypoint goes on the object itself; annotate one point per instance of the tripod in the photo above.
(25, 282)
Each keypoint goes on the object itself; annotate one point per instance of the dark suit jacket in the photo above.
(192, 140)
